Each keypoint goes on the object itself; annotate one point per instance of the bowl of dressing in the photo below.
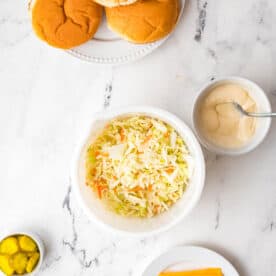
(220, 127)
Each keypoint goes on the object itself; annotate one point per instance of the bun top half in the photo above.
(144, 21)
(65, 24)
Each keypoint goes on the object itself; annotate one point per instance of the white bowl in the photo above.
(98, 213)
(263, 124)
(38, 242)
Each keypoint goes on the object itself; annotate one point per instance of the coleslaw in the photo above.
(139, 166)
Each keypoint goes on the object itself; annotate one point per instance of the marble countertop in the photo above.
(48, 96)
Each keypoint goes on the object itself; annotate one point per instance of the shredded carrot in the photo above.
(93, 172)
(155, 209)
(136, 174)
(122, 134)
(136, 189)
(147, 138)
(166, 135)
(150, 188)
(169, 170)
(100, 190)
(104, 154)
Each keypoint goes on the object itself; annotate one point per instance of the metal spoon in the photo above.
(253, 114)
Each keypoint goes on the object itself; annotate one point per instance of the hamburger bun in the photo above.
(65, 24)
(114, 3)
(144, 21)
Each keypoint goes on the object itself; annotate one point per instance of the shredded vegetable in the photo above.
(139, 166)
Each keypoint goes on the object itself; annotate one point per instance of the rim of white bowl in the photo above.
(225, 151)
(163, 115)
(38, 242)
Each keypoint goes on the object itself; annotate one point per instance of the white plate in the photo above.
(187, 258)
(107, 48)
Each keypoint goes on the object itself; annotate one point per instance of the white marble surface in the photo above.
(47, 96)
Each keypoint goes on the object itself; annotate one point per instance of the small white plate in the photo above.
(189, 258)
(108, 48)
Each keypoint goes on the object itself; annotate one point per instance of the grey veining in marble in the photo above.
(47, 98)
(201, 21)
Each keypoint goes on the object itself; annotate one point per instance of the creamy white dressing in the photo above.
(220, 122)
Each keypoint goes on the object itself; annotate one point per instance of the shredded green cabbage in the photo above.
(139, 166)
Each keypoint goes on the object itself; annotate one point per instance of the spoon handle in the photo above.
(261, 115)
